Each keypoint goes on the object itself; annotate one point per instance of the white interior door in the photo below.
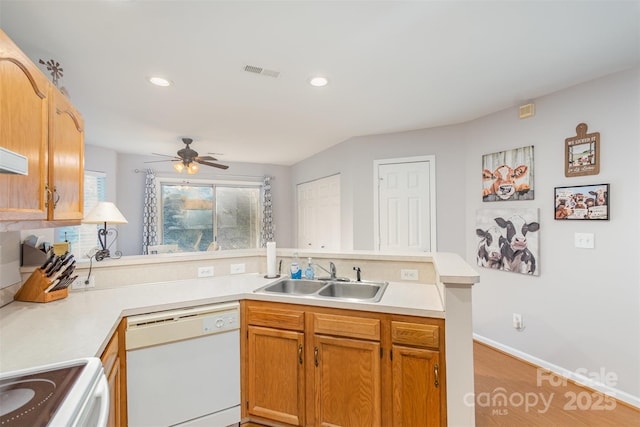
(319, 214)
(405, 205)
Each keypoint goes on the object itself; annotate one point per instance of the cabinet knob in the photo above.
(315, 356)
(300, 354)
(436, 375)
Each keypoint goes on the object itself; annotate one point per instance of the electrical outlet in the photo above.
(237, 268)
(79, 283)
(517, 321)
(205, 271)
(406, 274)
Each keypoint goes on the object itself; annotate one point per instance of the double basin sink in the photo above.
(341, 290)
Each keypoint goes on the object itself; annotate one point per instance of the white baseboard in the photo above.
(562, 372)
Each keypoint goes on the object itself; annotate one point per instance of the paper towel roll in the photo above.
(271, 259)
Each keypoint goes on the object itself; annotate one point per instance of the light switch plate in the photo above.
(237, 268)
(584, 240)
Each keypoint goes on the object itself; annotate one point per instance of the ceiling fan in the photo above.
(188, 159)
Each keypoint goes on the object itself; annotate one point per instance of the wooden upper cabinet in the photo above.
(39, 122)
(66, 159)
(24, 109)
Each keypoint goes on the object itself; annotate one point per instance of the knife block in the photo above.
(33, 289)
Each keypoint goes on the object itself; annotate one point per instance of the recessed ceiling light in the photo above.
(159, 81)
(318, 81)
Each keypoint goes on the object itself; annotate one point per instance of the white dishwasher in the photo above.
(183, 367)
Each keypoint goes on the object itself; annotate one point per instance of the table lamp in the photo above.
(103, 213)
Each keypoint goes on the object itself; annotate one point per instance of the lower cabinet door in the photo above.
(416, 387)
(276, 375)
(114, 395)
(347, 382)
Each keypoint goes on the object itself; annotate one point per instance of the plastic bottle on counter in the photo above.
(308, 272)
(296, 271)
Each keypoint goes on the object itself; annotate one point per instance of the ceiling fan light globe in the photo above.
(192, 168)
(179, 167)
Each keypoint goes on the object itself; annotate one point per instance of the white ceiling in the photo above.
(392, 65)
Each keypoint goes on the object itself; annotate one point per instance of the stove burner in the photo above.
(11, 400)
(31, 400)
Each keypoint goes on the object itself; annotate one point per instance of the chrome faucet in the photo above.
(332, 270)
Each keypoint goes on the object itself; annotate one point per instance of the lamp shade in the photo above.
(105, 212)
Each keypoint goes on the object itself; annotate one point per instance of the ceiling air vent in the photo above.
(262, 71)
(526, 111)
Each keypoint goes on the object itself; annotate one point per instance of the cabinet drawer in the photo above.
(275, 318)
(415, 334)
(110, 354)
(346, 326)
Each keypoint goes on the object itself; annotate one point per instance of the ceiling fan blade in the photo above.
(163, 155)
(215, 165)
(168, 160)
(205, 158)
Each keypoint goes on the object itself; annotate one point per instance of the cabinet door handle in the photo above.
(436, 375)
(315, 356)
(56, 197)
(300, 354)
(48, 197)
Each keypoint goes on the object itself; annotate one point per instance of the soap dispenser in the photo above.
(308, 272)
(296, 271)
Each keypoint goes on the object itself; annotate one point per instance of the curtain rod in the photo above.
(221, 176)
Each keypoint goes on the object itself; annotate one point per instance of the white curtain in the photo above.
(150, 213)
(267, 234)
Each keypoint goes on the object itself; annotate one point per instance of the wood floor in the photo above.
(553, 402)
(508, 395)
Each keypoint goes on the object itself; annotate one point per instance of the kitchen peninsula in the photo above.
(82, 324)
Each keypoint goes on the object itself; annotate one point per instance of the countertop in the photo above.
(33, 334)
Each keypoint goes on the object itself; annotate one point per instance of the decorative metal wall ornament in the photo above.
(55, 69)
(268, 227)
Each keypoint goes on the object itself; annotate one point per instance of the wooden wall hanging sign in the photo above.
(582, 153)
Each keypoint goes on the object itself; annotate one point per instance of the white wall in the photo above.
(583, 311)
(354, 158)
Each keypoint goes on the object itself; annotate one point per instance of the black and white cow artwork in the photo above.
(516, 256)
(489, 250)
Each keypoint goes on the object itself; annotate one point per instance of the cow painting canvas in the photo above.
(508, 240)
(508, 175)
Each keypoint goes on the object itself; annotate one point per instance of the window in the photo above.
(84, 237)
(205, 215)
